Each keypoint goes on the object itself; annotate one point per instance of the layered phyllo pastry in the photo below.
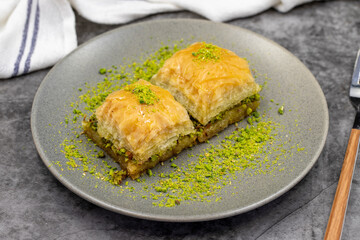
(214, 85)
(139, 126)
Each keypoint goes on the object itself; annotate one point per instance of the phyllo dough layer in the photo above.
(206, 80)
(144, 119)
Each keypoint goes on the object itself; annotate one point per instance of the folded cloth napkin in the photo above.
(35, 34)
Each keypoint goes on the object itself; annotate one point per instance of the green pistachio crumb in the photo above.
(256, 114)
(161, 189)
(154, 158)
(207, 52)
(281, 110)
(143, 93)
(100, 154)
(248, 111)
(102, 71)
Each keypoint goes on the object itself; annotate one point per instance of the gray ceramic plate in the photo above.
(289, 82)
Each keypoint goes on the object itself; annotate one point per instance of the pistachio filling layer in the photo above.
(125, 158)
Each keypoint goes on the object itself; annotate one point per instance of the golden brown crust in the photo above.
(206, 88)
(142, 129)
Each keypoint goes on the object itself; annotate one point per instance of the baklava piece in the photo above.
(139, 126)
(213, 84)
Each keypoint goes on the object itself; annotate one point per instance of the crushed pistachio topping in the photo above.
(207, 52)
(216, 166)
(202, 177)
(281, 110)
(143, 94)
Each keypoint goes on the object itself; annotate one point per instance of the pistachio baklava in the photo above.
(139, 126)
(143, 124)
(214, 85)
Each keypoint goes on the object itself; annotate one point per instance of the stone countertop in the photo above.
(34, 205)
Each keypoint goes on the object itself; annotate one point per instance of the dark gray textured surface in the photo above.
(34, 205)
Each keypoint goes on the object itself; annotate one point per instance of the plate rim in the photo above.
(161, 217)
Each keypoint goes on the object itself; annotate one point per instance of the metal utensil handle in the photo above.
(338, 210)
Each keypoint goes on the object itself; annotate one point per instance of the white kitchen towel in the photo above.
(35, 34)
(123, 11)
(119, 11)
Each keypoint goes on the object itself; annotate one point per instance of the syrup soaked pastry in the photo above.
(139, 126)
(207, 80)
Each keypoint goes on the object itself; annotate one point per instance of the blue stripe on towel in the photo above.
(23, 42)
(33, 40)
